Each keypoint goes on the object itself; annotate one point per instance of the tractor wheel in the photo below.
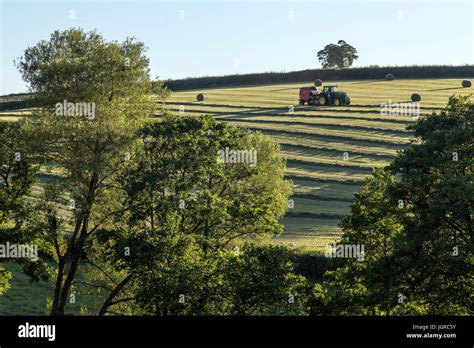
(322, 100)
(337, 102)
(348, 100)
(301, 102)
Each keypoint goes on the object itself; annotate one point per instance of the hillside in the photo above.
(314, 140)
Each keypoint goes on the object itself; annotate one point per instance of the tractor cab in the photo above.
(330, 89)
(331, 96)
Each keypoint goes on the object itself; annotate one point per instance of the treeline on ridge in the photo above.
(364, 73)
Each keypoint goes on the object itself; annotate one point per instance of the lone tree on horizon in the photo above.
(341, 55)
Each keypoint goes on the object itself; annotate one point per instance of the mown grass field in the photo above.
(314, 140)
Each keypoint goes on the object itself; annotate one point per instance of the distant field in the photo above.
(314, 139)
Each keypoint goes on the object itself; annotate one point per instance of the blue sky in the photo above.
(197, 38)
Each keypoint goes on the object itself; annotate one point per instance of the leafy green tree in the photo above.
(182, 181)
(182, 279)
(5, 278)
(180, 193)
(341, 55)
(363, 287)
(16, 179)
(129, 203)
(16, 175)
(261, 280)
(435, 251)
(88, 147)
(415, 220)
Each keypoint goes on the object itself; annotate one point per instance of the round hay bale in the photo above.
(415, 97)
(201, 96)
(389, 77)
(466, 83)
(318, 83)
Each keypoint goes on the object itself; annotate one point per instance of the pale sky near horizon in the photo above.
(204, 38)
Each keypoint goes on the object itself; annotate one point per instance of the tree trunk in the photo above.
(58, 286)
(114, 293)
(75, 251)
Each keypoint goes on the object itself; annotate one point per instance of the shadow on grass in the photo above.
(285, 89)
(443, 89)
(371, 81)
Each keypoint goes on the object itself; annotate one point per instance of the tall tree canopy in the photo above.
(131, 199)
(86, 151)
(341, 55)
(187, 214)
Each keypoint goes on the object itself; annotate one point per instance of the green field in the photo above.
(314, 139)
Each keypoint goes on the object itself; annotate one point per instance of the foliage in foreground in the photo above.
(415, 219)
(186, 213)
(134, 198)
